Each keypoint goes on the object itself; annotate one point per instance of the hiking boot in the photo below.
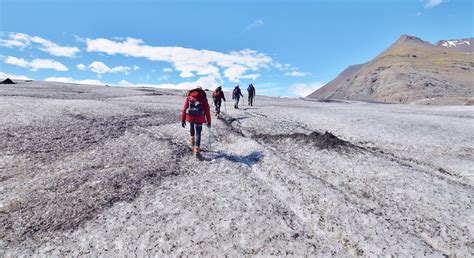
(196, 149)
(192, 141)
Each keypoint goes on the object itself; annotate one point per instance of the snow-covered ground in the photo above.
(106, 170)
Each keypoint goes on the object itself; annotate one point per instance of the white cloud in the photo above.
(21, 40)
(253, 76)
(433, 3)
(81, 67)
(36, 64)
(207, 82)
(303, 90)
(163, 78)
(13, 76)
(235, 72)
(101, 68)
(124, 83)
(71, 80)
(297, 74)
(167, 70)
(189, 62)
(16, 61)
(53, 48)
(255, 24)
(186, 74)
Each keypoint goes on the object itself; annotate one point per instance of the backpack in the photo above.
(235, 93)
(216, 95)
(195, 107)
(251, 89)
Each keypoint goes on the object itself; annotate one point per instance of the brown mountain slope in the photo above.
(346, 75)
(409, 71)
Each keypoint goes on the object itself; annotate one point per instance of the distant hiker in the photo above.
(251, 92)
(236, 94)
(218, 96)
(196, 111)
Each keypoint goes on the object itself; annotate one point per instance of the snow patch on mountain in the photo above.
(455, 43)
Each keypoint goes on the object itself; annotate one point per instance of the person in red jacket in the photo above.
(218, 96)
(197, 112)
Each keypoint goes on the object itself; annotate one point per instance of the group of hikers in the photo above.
(196, 110)
(218, 96)
(237, 93)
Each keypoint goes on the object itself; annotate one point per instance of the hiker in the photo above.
(251, 92)
(236, 94)
(218, 96)
(196, 111)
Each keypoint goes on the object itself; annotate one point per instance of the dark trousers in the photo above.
(236, 105)
(195, 130)
(251, 99)
(217, 104)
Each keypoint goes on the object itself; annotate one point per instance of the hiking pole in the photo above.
(210, 138)
(225, 106)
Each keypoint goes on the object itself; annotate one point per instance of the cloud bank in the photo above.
(21, 40)
(235, 65)
(71, 80)
(101, 68)
(204, 82)
(36, 64)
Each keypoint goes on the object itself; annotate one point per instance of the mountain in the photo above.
(463, 45)
(411, 70)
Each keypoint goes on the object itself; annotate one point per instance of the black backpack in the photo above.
(195, 107)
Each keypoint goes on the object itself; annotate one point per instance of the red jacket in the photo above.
(200, 95)
(218, 95)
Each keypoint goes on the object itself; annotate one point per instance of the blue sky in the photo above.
(283, 47)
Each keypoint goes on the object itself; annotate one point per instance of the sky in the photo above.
(283, 47)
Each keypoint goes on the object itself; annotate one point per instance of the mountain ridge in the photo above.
(410, 70)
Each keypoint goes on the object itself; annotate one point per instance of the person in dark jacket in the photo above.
(197, 112)
(236, 94)
(251, 92)
(218, 96)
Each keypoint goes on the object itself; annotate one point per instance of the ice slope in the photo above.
(107, 171)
